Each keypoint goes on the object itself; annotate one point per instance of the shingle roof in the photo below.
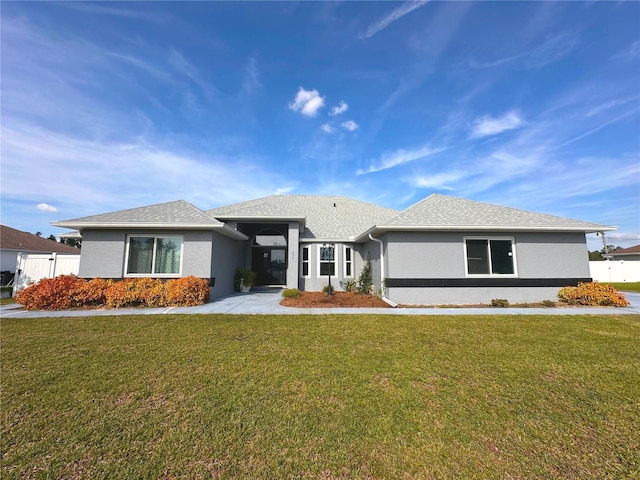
(176, 213)
(327, 217)
(445, 211)
(12, 239)
(626, 251)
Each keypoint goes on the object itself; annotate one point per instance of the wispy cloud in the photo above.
(307, 102)
(251, 76)
(399, 157)
(180, 63)
(391, 17)
(340, 108)
(328, 128)
(553, 48)
(45, 207)
(350, 125)
(487, 125)
(439, 181)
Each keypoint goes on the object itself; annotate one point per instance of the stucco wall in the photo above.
(103, 252)
(441, 254)
(227, 255)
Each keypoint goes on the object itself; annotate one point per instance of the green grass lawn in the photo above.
(627, 286)
(321, 397)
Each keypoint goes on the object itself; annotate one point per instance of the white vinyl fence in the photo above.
(31, 267)
(615, 271)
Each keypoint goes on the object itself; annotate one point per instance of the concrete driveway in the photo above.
(268, 303)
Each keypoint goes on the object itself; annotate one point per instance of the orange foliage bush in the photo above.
(50, 293)
(187, 291)
(69, 291)
(592, 293)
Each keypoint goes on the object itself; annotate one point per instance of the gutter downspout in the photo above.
(379, 242)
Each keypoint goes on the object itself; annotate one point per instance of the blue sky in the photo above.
(533, 105)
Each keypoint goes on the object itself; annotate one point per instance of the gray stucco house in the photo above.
(441, 250)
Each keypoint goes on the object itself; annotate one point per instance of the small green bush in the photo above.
(365, 280)
(325, 289)
(548, 303)
(351, 286)
(291, 293)
(500, 302)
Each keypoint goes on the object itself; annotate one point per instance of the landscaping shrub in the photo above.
(350, 286)
(92, 293)
(50, 293)
(500, 302)
(187, 292)
(291, 293)
(325, 289)
(592, 293)
(69, 291)
(365, 280)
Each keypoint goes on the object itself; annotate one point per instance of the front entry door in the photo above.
(270, 265)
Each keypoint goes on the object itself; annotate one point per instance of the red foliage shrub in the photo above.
(592, 293)
(50, 293)
(92, 293)
(69, 291)
(187, 291)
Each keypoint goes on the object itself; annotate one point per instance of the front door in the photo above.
(270, 265)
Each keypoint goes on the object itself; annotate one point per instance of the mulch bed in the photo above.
(337, 300)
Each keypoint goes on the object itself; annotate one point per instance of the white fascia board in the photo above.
(481, 228)
(325, 240)
(226, 230)
(261, 218)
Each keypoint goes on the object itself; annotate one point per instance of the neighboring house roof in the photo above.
(635, 250)
(443, 212)
(171, 215)
(12, 239)
(326, 217)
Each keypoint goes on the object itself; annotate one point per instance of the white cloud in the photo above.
(44, 207)
(328, 128)
(307, 102)
(486, 125)
(401, 11)
(440, 181)
(251, 77)
(399, 157)
(350, 125)
(340, 108)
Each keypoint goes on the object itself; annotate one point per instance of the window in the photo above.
(154, 255)
(348, 261)
(326, 260)
(490, 256)
(305, 261)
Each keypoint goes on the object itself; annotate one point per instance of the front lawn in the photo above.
(321, 397)
(626, 286)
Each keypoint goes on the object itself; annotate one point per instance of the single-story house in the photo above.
(441, 250)
(631, 254)
(13, 242)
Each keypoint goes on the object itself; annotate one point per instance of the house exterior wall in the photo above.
(226, 255)
(315, 282)
(429, 267)
(293, 248)
(206, 254)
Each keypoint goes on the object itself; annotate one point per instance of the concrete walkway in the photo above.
(269, 304)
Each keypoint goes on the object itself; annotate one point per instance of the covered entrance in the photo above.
(269, 258)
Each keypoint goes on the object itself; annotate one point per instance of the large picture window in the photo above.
(154, 256)
(490, 256)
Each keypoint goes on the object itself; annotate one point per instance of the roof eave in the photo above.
(225, 229)
(483, 228)
(260, 218)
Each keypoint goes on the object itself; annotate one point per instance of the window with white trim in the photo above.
(326, 260)
(490, 256)
(305, 261)
(154, 255)
(348, 261)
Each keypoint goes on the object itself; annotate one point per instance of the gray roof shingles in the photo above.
(445, 211)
